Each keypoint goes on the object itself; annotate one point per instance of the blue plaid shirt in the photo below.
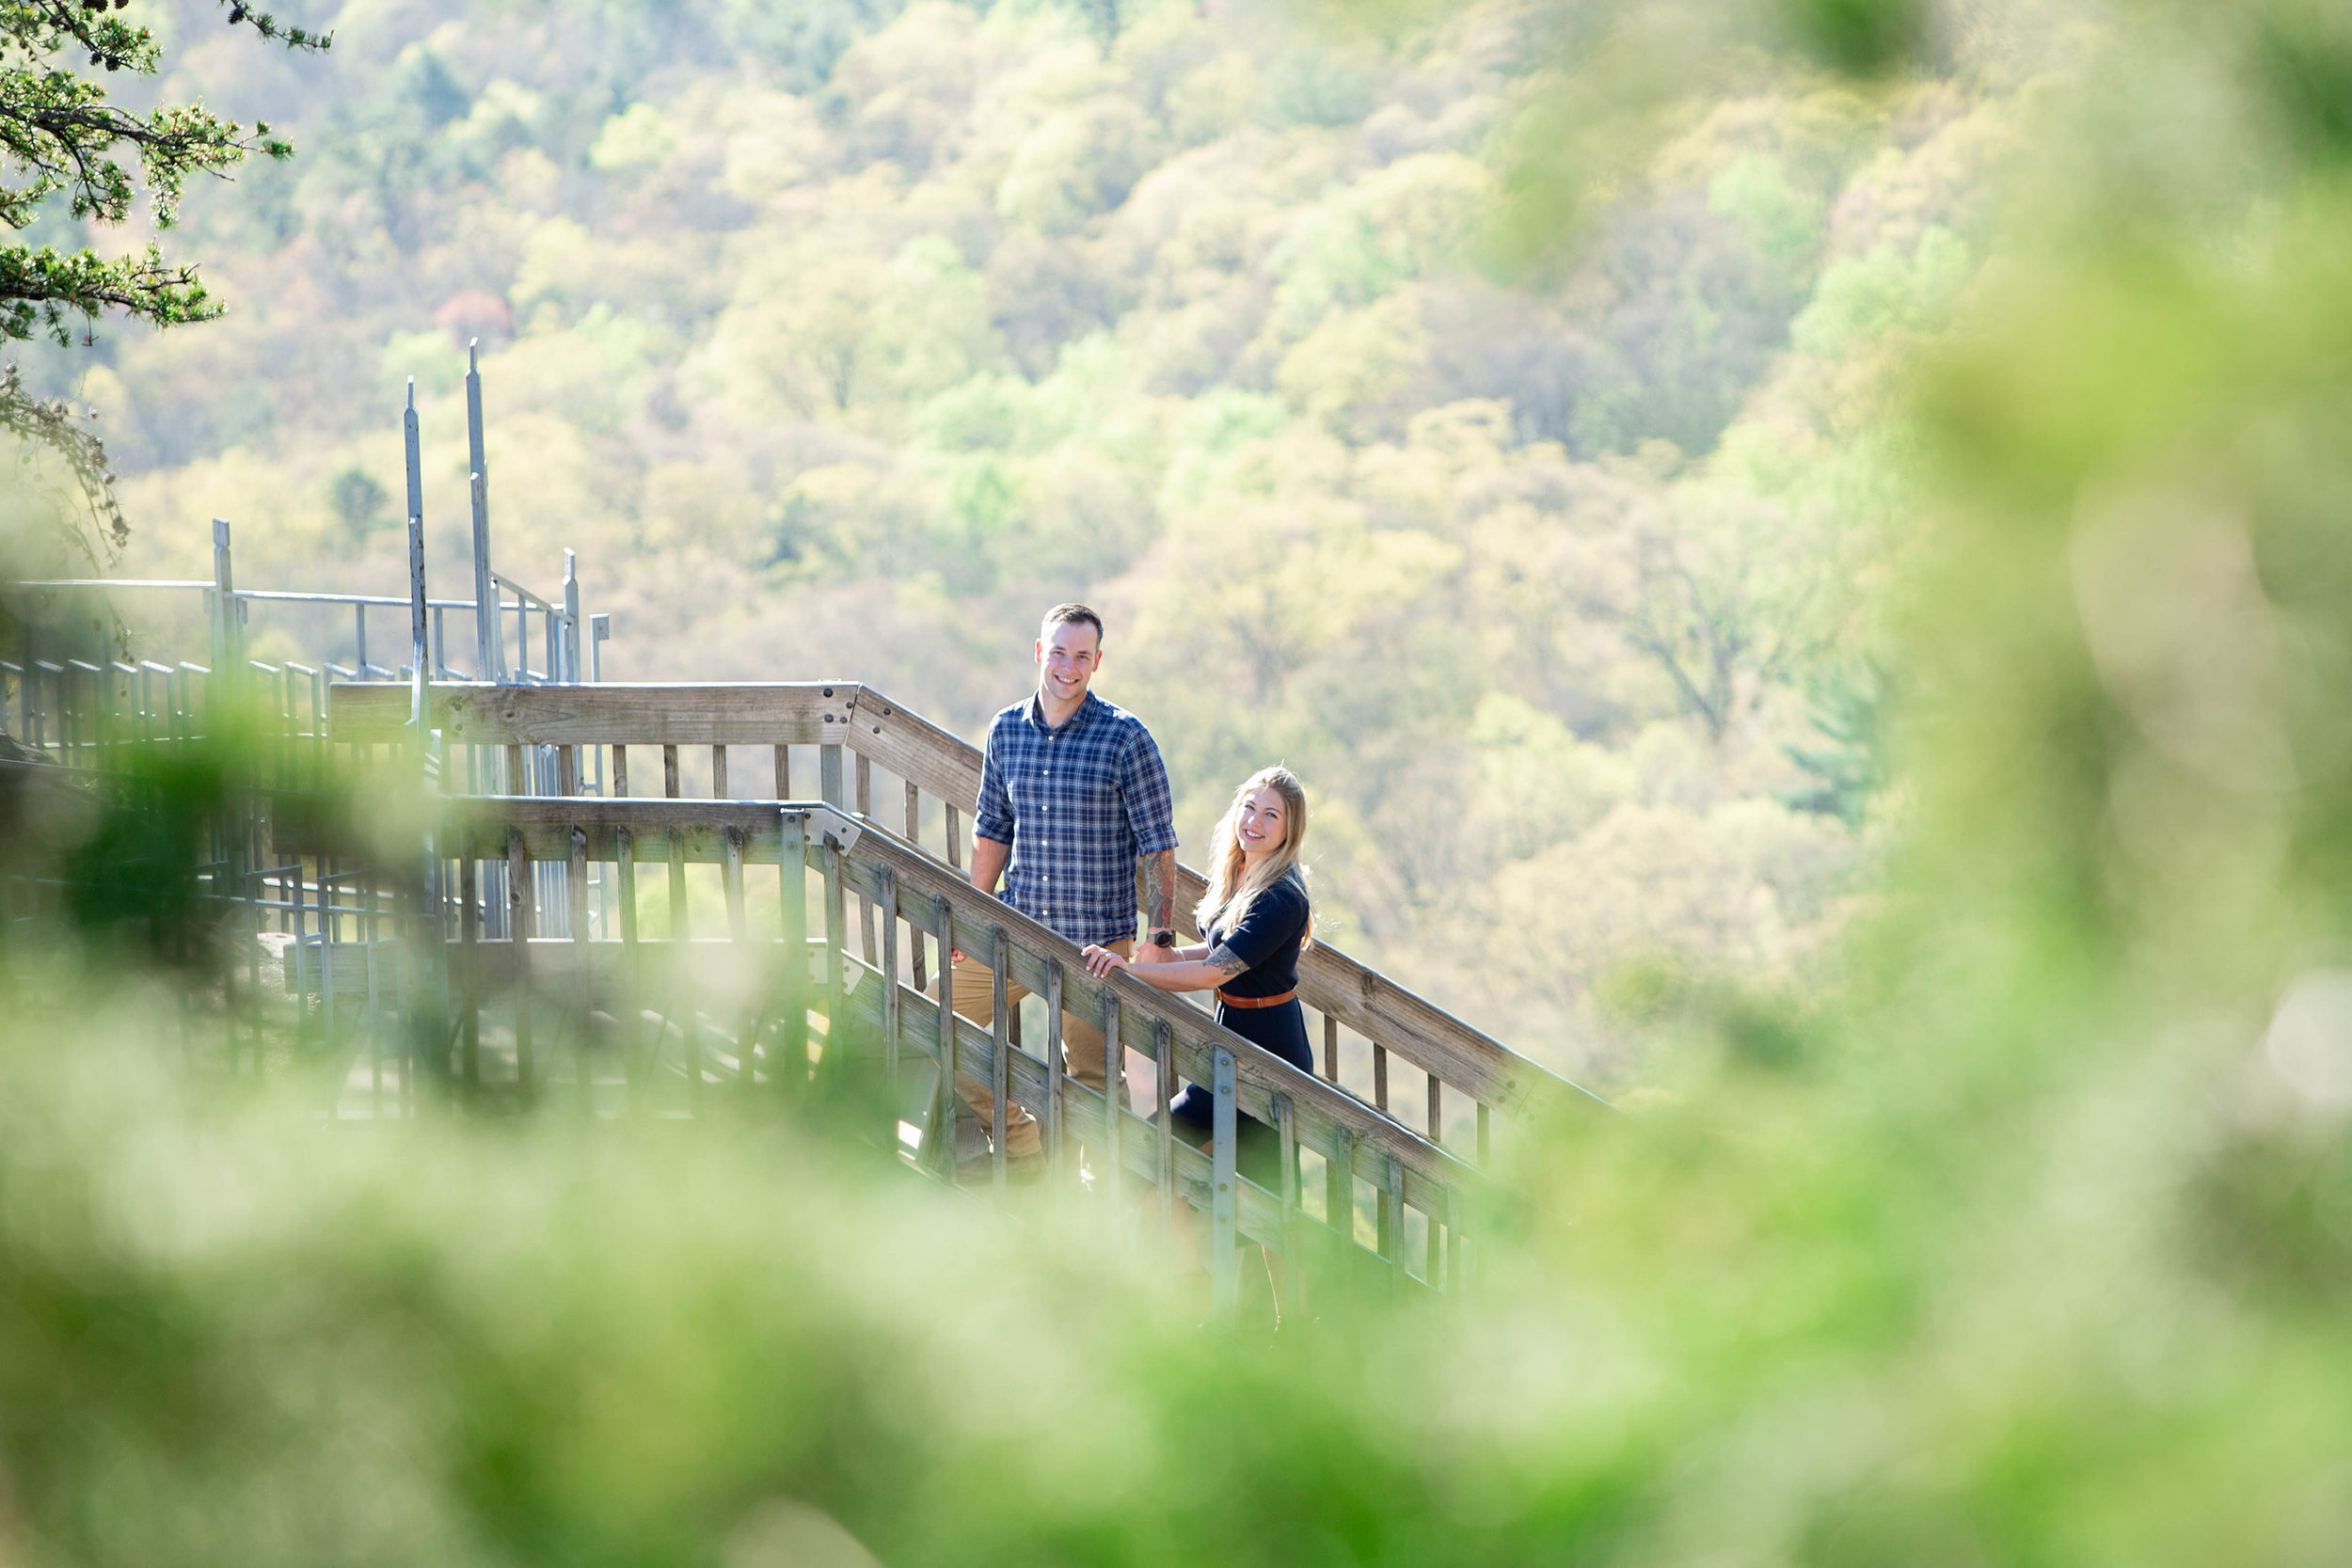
(1079, 805)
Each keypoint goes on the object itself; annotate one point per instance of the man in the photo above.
(1077, 817)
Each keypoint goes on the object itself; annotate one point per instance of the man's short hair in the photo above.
(1062, 614)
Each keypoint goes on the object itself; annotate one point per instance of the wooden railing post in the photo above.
(1393, 1208)
(1224, 1271)
(836, 1060)
(1114, 1083)
(739, 933)
(518, 940)
(469, 934)
(634, 957)
(1286, 1123)
(792, 892)
(1000, 1055)
(1053, 1071)
(944, 1116)
(890, 981)
(914, 932)
(682, 988)
(1164, 1086)
(583, 1057)
(1338, 1187)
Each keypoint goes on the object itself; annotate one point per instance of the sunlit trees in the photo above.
(63, 145)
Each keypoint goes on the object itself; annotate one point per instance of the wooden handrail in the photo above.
(859, 858)
(876, 727)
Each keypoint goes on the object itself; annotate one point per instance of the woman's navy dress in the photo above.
(1268, 940)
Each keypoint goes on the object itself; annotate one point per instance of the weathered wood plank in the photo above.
(467, 713)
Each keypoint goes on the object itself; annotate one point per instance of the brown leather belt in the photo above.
(1232, 1000)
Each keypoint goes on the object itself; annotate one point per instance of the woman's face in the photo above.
(1262, 824)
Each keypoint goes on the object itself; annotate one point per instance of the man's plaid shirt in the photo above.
(1079, 805)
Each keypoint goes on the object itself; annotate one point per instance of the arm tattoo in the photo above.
(1156, 877)
(1226, 961)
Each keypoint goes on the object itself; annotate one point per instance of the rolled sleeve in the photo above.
(993, 820)
(1150, 805)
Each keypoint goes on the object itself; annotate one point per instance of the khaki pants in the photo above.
(1082, 1049)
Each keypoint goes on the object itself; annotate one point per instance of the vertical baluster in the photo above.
(835, 1062)
(632, 987)
(259, 883)
(468, 937)
(1339, 1185)
(828, 775)
(1164, 1090)
(1453, 1251)
(1392, 1211)
(517, 779)
(1000, 1056)
(376, 1000)
(719, 773)
(1286, 1123)
(1436, 1135)
(889, 879)
(1330, 1048)
(669, 772)
(682, 986)
(620, 772)
(328, 929)
(1053, 1072)
(792, 890)
(865, 809)
(914, 932)
(302, 982)
(1380, 1075)
(943, 1115)
(784, 772)
(1224, 1262)
(739, 933)
(955, 837)
(581, 1059)
(518, 928)
(1114, 1078)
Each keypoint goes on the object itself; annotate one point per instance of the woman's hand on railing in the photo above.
(1101, 961)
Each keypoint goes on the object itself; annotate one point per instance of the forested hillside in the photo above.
(842, 339)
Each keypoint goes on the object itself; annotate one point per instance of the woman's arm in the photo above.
(1181, 972)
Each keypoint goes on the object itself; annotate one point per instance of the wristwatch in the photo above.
(1164, 937)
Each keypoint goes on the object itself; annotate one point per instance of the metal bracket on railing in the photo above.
(831, 825)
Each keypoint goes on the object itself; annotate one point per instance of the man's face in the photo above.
(1067, 656)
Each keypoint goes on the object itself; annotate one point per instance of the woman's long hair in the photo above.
(1231, 892)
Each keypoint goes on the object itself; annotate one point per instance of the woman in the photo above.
(1257, 919)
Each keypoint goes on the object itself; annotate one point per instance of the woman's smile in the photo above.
(1258, 827)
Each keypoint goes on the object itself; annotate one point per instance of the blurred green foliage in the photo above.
(2010, 1231)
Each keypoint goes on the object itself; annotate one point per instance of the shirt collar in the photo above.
(1035, 714)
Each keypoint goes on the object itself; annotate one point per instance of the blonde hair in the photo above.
(1234, 887)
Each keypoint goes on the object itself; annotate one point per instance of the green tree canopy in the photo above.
(61, 140)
